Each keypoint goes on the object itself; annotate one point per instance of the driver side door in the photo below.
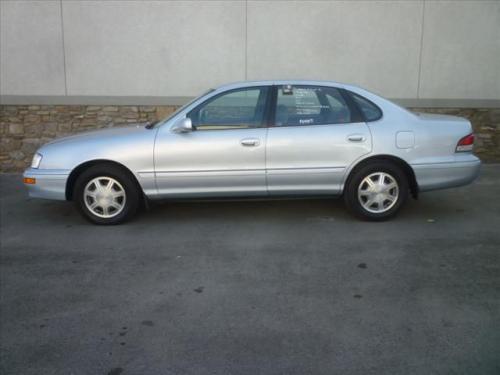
(224, 155)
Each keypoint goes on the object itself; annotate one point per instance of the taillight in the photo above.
(465, 144)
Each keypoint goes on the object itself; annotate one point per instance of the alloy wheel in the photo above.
(378, 192)
(104, 197)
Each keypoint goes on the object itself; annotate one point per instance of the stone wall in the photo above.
(24, 128)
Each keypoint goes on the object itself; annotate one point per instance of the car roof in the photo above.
(234, 85)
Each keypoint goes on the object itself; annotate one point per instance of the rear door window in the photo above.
(310, 105)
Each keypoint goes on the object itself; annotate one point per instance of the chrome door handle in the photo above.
(250, 142)
(356, 138)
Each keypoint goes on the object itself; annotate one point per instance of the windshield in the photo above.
(181, 108)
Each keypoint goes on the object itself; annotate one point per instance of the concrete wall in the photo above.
(58, 51)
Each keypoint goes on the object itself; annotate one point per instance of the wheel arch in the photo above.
(408, 170)
(78, 170)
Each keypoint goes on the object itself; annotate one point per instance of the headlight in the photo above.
(37, 158)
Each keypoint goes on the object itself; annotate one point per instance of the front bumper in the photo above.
(462, 171)
(49, 183)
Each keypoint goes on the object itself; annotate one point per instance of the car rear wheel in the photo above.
(376, 191)
(107, 195)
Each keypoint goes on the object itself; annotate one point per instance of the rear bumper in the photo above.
(447, 175)
(49, 183)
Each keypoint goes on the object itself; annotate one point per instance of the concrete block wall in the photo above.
(402, 49)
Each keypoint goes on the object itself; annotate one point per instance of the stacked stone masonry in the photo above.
(24, 128)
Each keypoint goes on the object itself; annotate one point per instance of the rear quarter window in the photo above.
(370, 111)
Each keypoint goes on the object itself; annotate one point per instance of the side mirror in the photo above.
(183, 125)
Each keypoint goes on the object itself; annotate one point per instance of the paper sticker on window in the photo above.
(287, 90)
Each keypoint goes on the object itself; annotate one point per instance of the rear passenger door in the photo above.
(317, 133)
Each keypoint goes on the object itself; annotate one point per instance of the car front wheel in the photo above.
(106, 195)
(376, 191)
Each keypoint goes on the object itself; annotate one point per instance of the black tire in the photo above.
(355, 180)
(130, 202)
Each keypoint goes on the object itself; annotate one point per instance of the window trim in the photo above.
(356, 115)
(264, 122)
(272, 102)
(351, 96)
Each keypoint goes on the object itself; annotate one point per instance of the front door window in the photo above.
(236, 109)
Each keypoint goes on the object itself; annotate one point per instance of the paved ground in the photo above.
(284, 287)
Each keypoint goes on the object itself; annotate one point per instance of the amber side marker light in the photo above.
(29, 180)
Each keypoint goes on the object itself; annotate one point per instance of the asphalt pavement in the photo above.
(253, 287)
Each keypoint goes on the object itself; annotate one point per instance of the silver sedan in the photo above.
(262, 139)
